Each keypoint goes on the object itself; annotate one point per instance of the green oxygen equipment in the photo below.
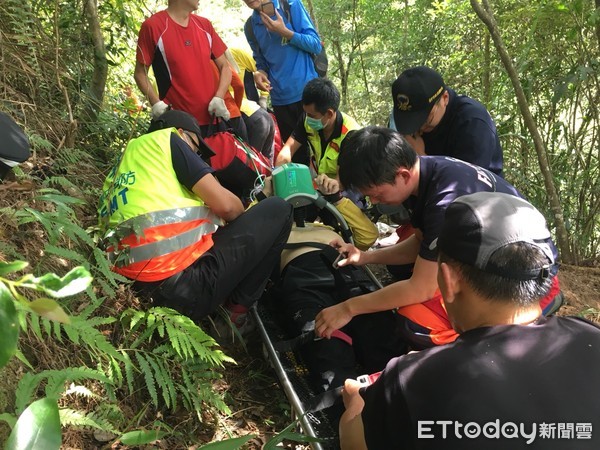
(294, 183)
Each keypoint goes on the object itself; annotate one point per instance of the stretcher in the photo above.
(310, 408)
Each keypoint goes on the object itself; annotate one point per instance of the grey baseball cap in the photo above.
(477, 225)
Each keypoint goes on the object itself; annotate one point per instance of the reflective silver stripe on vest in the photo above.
(156, 249)
(166, 217)
(151, 250)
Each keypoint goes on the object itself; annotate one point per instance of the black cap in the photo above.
(415, 92)
(15, 145)
(185, 121)
(477, 225)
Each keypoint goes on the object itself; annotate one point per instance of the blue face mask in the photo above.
(315, 124)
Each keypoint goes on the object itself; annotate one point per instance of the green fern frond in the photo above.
(186, 396)
(148, 377)
(60, 181)
(101, 263)
(47, 324)
(85, 420)
(173, 394)
(73, 334)
(75, 156)
(57, 330)
(29, 383)
(92, 337)
(133, 317)
(210, 397)
(93, 305)
(58, 198)
(70, 255)
(28, 215)
(143, 337)
(34, 325)
(129, 368)
(110, 411)
(73, 230)
(56, 379)
(107, 289)
(81, 391)
(27, 386)
(196, 403)
(182, 362)
(98, 321)
(162, 378)
(114, 372)
(21, 357)
(173, 334)
(40, 142)
(62, 202)
(9, 250)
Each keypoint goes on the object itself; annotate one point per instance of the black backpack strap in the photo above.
(291, 345)
(324, 400)
(286, 9)
(296, 245)
(350, 281)
(251, 38)
(249, 31)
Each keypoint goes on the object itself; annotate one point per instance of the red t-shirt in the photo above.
(181, 60)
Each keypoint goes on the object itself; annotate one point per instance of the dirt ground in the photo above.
(581, 287)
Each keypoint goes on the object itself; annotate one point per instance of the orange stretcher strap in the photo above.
(431, 315)
(554, 291)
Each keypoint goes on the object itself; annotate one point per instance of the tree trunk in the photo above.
(598, 21)
(487, 68)
(484, 11)
(311, 12)
(343, 75)
(98, 82)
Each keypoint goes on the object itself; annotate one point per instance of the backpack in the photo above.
(320, 61)
(237, 164)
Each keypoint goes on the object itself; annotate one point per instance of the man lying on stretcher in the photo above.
(308, 283)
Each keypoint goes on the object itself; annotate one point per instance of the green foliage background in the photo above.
(49, 70)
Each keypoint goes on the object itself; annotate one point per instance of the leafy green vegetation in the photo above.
(79, 351)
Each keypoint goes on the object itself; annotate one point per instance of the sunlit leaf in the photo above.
(38, 427)
(288, 433)
(9, 329)
(49, 309)
(74, 282)
(228, 444)
(141, 437)
(14, 266)
(9, 419)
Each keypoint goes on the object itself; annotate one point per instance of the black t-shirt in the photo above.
(545, 375)
(443, 179)
(466, 132)
(188, 165)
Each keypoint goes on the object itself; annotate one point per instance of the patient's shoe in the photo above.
(233, 319)
(239, 316)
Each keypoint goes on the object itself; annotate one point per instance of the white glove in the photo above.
(262, 101)
(159, 108)
(217, 107)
